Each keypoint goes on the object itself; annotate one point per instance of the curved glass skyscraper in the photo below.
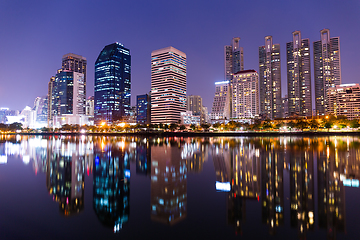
(112, 83)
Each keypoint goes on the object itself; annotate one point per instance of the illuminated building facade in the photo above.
(143, 108)
(75, 63)
(245, 94)
(111, 184)
(68, 93)
(234, 58)
(344, 100)
(221, 104)
(168, 85)
(299, 76)
(168, 184)
(327, 68)
(112, 84)
(270, 80)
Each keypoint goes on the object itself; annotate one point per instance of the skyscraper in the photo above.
(245, 94)
(221, 104)
(143, 109)
(327, 68)
(298, 76)
(168, 85)
(75, 63)
(234, 58)
(270, 79)
(112, 83)
(67, 95)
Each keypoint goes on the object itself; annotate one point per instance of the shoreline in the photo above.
(196, 134)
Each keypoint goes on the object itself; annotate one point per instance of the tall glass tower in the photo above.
(270, 79)
(112, 84)
(299, 76)
(327, 68)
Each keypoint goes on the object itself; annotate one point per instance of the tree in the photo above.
(314, 124)
(216, 125)
(173, 126)
(205, 126)
(328, 124)
(193, 127)
(354, 123)
(300, 124)
(182, 127)
(15, 126)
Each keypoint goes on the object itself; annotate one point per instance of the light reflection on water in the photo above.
(296, 183)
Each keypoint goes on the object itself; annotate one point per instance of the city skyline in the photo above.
(33, 44)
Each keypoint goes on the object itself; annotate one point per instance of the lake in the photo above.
(99, 187)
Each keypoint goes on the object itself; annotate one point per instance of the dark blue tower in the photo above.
(112, 84)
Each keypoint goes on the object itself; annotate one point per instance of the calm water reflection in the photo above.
(181, 188)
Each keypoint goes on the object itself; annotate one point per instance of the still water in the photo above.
(179, 188)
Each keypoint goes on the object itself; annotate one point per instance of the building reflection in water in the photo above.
(299, 156)
(143, 156)
(111, 183)
(168, 182)
(248, 169)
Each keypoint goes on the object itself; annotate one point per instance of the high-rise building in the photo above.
(221, 104)
(168, 85)
(112, 84)
(68, 93)
(344, 100)
(327, 68)
(75, 63)
(50, 101)
(194, 104)
(299, 76)
(245, 94)
(143, 109)
(270, 79)
(234, 58)
(90, 106)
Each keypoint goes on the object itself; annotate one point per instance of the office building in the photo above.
(299, 76)
(89, 110)
(234, 58)
(245, 94)
(194, 104)
(168, 85)
(221, 104)
(112, 84)
(327, 68)
(143, 108)
(75, 63)
(344, 100)
(270, 80)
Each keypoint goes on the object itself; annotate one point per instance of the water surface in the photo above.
(179, 188)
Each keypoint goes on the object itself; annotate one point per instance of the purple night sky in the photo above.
(34, 35)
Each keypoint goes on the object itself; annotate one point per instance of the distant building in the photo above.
(143, 109)
(344, 100)
(245, 94)
(68, 93)
(299, 76)
(234, 58)
(270, 79)
(221, 104)
(285, 106)
(41, 112)
(75, 63)
(112, 84)
(187, 118)
(195, 105)
(168, 85)
(327, 68)
(89, 106)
